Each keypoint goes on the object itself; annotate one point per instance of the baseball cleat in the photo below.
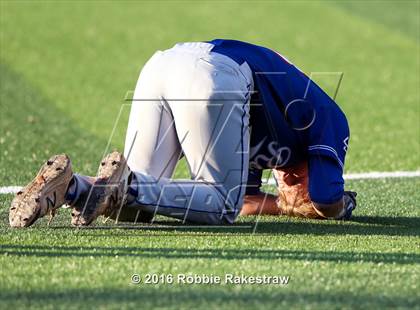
(44, 194)
(108, 193)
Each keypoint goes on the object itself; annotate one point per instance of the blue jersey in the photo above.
(292, 119)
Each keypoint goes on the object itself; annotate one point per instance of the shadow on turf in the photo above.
(401, 221)
(387, 226)
(195, 297)
(211, 253)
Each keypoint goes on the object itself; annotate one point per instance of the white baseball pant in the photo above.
(190, 102)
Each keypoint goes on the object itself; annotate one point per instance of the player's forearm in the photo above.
(298, 209)
(302, 206)
(268, 204)
(263, 203)
(334, 210)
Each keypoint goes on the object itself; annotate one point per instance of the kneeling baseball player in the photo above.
(232, 109)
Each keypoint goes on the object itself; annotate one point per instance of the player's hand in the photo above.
(349, 205)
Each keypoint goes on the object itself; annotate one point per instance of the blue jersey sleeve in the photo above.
(326, 183)
(329, 134)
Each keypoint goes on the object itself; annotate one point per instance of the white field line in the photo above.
(271, 181)
(9, 189)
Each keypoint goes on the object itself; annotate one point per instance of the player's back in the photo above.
(297, 112)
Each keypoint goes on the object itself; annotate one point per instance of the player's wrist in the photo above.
(335, 210)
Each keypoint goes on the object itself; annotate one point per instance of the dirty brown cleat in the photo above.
(108, 193)
(44, 194)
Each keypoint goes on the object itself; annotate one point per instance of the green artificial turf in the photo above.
(65, 69)
(370, 262)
